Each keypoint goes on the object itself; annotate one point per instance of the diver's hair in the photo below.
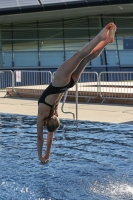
(52, 110)
(53, 123)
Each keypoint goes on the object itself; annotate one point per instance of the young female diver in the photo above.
(65, 77)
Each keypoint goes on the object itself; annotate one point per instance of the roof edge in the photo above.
(60, 6)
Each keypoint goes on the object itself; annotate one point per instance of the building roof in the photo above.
(27, 6)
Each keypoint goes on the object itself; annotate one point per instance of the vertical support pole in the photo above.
(0, 40)
(12, 45)
(1, 57)
(13, 80)
(90, 63)
(38, 44)
(105, 57)
(76, 101)
(63, 39)
(104, 51)
(117, 45)
(39, 77)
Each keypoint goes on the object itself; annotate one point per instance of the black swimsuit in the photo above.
(54, 90)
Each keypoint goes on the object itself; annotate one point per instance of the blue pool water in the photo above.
(89, 161)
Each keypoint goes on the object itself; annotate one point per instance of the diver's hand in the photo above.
(44, 160)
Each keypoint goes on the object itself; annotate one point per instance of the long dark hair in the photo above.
(52, 111)
(53, 123)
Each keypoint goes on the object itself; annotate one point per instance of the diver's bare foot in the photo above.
(110, 25)
(111, 35)
(105, 33)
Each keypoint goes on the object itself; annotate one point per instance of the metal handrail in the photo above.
(64, 100)
(65, 96)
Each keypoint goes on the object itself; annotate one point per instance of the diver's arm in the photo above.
(49, 144)
(40, 123)
(41, 120)
(45, 159)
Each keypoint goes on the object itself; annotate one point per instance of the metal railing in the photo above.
(76, 100)
(33, 82)
(90, 84)
(6, 80)
(116, 85)
(112, 85)
(28, 82)
(62, 107)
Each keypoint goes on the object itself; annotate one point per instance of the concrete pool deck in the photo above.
(89, 112)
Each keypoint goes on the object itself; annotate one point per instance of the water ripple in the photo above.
(89, 161)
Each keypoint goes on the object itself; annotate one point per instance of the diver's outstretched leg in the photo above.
(64, 72)
(96, 52)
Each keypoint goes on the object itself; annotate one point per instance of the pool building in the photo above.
(40, 35)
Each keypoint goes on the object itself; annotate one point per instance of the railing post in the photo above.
(13, 80)
(76, 101)
(99, 85)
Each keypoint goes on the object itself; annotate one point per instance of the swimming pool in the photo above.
(89, 161)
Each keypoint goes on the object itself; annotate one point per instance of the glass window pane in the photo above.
(107, 20)
(51, 58)
(94, 27)
(7, 59)
(51, 36)
(26, 59)
(76, 34)
(112, 57)
(126, 57)
(120, 44)
(125, 28)
(1, 59)
(6, 39)
(25, 36)
(112, 46)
